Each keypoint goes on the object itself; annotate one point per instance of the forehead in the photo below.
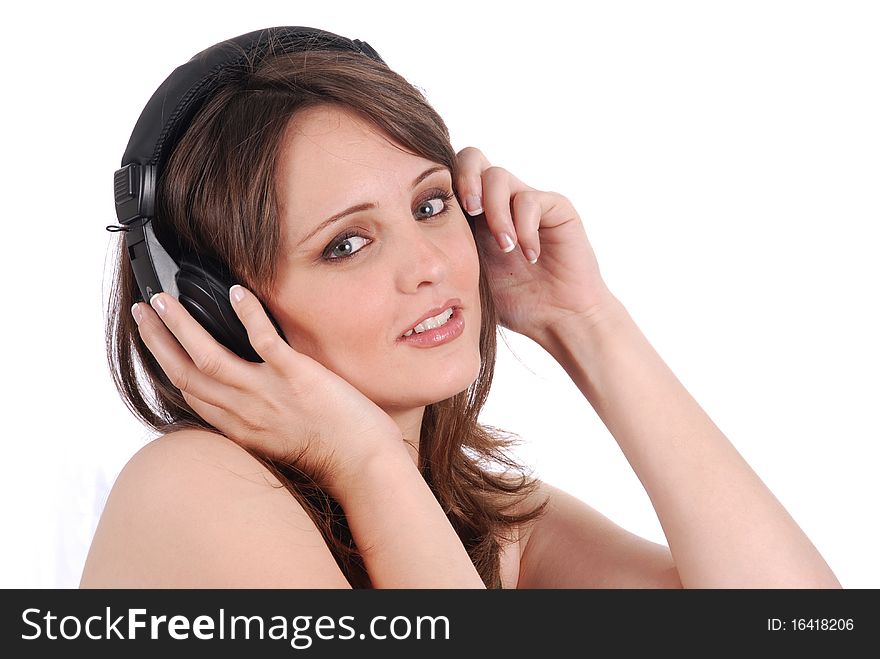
(332, 158)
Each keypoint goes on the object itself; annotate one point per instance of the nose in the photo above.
(423, 256)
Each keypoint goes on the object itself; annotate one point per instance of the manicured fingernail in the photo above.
(531, 257)
(237, 293)
(136, 312)
(158, 304)
(505, 242)
(474, 205)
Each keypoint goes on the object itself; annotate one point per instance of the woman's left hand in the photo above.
(563, 283)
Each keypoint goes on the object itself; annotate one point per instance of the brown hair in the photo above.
(217, 195)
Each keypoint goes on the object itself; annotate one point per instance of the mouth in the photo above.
(432, 318)
(436, 326)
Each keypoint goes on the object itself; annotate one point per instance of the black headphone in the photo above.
(200, 284)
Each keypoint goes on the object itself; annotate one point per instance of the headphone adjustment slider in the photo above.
(134, 188)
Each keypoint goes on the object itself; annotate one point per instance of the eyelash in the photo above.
(438, 193)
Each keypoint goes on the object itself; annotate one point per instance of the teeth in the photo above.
(431, 323)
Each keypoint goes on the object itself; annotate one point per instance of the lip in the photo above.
(451, 330)
(454, 302)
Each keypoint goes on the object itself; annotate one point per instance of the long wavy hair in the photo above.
(217, 197)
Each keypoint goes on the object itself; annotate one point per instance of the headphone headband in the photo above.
(183, 93)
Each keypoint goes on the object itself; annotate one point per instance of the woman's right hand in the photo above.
(288, 407)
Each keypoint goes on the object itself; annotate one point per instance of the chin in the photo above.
(452, 382)
(437, 394)
(421, 388)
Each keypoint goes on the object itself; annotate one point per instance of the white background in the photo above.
(723, 158)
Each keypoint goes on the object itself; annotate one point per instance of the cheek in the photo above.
(336, 330)
(352, 344)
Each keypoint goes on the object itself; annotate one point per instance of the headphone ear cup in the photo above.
(204, 292)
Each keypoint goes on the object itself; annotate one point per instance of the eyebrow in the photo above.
(357, 208)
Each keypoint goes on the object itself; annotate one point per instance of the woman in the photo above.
(351, 455)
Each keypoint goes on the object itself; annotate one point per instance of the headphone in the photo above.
(201, 284)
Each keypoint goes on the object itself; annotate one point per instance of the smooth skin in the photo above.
(206, 498)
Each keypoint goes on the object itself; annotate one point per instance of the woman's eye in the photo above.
(433, 206)
(346, 247)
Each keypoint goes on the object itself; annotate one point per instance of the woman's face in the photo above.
(347, 291)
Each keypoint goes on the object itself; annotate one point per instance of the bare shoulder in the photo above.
(572, 545)
(194, 509)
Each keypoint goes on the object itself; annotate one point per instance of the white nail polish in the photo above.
(507, 243)
(474, 200)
